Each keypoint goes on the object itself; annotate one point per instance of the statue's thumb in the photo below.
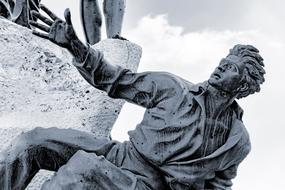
(67, 16)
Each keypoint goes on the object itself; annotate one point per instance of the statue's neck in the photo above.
(217, 102)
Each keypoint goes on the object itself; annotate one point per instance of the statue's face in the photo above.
(228, 75)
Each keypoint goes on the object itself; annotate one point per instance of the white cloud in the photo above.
(194, 56)
(191, 55)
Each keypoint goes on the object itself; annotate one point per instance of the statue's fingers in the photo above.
(67, 16)
(48, 12)
(42, 35)
(42, 18)
(40, 26)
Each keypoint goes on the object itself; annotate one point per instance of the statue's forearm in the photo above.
(78, 49)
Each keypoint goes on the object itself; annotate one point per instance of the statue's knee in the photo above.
(87, 157)
(83, 156)
(91, 161)
(80, 153)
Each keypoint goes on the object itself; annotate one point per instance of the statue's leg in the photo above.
(114, 13)
(44, 149)
(91, 20)
(89, 171)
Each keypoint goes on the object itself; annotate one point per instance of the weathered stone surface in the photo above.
(40, 87)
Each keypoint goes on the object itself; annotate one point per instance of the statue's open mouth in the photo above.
(217, 76)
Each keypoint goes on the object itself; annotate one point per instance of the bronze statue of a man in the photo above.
(191, 137)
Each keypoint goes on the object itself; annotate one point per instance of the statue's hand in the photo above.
(56, 30)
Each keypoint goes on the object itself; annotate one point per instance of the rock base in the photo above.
(39, 87)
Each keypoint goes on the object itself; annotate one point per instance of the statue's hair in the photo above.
(254, 71)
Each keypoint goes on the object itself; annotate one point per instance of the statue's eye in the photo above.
(231, 67)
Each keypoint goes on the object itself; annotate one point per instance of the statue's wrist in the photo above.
(78, 49)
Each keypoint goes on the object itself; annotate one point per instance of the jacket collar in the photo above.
(200, 88)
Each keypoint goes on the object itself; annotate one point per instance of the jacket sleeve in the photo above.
(223, 179)
(145, 89)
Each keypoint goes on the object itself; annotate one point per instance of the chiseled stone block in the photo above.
(39, 87)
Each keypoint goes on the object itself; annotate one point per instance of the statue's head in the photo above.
(241, 73)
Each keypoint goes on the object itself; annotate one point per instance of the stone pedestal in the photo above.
(39, 87)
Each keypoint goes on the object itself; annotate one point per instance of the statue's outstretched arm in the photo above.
(146, 89)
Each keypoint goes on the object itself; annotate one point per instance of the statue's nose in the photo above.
(220, 68)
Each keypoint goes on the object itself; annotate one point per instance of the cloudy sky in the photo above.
(189, 38)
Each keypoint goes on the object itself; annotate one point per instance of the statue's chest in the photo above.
(215, 134)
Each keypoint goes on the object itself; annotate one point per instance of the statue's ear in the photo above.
(244, 87)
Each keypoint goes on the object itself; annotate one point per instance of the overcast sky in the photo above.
(189, 38)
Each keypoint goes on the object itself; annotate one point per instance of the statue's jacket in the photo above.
(173, 127)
